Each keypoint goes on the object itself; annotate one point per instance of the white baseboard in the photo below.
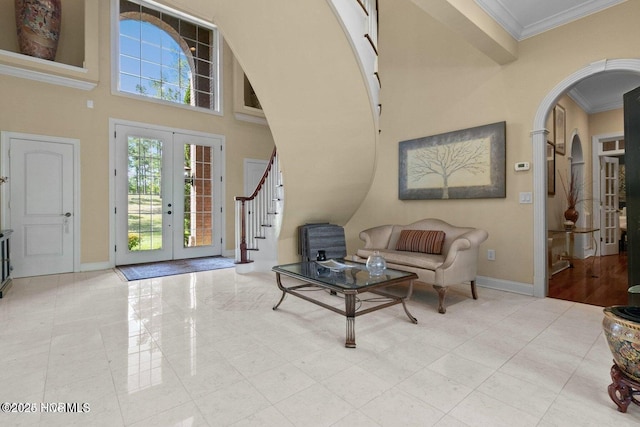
(505, 285)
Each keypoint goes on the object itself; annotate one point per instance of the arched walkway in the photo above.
(539, 140)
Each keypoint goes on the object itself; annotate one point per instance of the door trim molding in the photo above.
(5, 190)
(113, 122)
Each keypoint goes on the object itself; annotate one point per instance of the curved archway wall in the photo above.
(539, 138)
(310, 85)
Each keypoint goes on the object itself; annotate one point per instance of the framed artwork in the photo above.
(560, 128)
(464, 164)
(551, 168)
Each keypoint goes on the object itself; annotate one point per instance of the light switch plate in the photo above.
(526, 197)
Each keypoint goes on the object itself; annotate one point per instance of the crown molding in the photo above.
(497, 10)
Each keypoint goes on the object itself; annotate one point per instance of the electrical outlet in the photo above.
(491, 255)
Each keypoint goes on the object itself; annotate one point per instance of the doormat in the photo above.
(171, 268)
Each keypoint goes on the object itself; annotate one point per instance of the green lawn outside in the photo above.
(145, 221)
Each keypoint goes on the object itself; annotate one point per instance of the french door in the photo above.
(609, 217)
(168, 195)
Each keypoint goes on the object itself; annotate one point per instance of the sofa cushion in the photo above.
(411, 259)
(425, 241)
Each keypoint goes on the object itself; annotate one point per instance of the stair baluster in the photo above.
(255, 212)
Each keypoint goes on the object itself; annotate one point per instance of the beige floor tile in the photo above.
(207, 349)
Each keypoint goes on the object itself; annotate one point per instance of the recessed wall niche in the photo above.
(77, 58)
(72, 35)
(246, 104)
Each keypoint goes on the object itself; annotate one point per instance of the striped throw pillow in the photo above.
(426, 241)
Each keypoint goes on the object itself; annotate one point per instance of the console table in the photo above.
(569, 233)
(5, 262)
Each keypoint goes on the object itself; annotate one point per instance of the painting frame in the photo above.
(484, 147)
(551, 168)
(560, 129)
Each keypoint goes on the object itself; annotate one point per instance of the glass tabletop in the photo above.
(341, 273)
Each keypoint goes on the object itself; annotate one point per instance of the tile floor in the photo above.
(207, 349)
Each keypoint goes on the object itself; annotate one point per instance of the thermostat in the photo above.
(522, 166)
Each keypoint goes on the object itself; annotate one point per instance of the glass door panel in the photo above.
(610, 232)
(144, 207)
(201, 184)
(143, 195)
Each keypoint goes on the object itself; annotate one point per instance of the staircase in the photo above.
(324, 118)
(258, 219)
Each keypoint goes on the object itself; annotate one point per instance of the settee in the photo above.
(440, 254)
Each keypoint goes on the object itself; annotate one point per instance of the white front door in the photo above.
(41, 207)
(609, 216)
(168, 195)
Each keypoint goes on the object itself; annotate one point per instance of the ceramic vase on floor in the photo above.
(621, 325)
(38, 27)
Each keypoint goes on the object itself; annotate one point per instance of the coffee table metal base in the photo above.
(349, 311)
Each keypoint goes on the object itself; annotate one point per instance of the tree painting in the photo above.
(463, 164)
(445, 161)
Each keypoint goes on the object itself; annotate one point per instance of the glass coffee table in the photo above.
(349, 279)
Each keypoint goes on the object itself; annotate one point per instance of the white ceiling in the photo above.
(527, 18)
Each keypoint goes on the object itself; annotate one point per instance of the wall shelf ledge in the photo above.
(26, 67)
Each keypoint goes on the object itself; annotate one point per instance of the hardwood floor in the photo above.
(609, 287)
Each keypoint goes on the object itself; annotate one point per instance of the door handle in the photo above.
(68, 214)
(169, 212)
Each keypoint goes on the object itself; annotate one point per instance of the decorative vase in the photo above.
(38, 27)
(571, 214)
(376, 264)
(621, 325)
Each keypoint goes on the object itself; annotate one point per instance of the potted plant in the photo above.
(572, 194)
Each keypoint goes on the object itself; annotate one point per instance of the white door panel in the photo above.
(197, 195)
(42, 207)
(143, 195)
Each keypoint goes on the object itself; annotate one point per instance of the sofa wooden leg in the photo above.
(473, 289)
(442, 292)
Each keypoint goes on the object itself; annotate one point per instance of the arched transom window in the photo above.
(166, 57)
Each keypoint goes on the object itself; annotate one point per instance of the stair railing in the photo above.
(255, 212)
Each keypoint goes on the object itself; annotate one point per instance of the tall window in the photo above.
(165, 56)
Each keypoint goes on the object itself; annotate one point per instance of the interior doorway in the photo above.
(168, 194)
(539, 141)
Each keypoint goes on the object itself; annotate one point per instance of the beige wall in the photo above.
(607, 122)
(40, 108)
(434, 82)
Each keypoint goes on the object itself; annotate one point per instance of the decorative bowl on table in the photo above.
(621, 326)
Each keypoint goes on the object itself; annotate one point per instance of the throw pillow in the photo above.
(427, 241)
